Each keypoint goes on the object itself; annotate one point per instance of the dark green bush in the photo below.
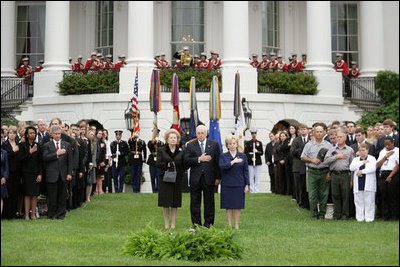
(203, 78)
(388, 111)
(287, 83)
(387, 86)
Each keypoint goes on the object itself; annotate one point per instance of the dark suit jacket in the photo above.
(380, 144)
(30, 163)
(4, 164)
(348, 142)
(269, 149)
(296, 150)
(371, 148)
(209, 169)
(248, 150)
(55, 166)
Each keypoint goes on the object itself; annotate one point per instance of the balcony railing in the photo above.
(14, 92)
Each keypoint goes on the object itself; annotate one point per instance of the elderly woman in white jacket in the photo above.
(364, 184)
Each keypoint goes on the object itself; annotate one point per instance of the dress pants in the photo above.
(57, 199)
(389, 196)
(272, 177)
(318, 189)
(300, 189)
(119, 178)
(136, 173)
(155, 178)
(209, 203)
(365, 205)
(254, 174)
(340, 195)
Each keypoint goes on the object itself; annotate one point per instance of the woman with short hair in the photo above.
(170, 158)
(234, 180)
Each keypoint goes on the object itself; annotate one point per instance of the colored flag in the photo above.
(240, 123)
(155, 99)
(135, 106)
(176, 122)
(215, 112)
(194, 117)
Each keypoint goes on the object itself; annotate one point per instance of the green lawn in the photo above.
(273, 232)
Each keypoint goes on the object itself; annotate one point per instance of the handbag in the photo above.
(170, 176)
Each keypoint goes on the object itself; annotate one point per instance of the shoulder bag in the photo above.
(170, 176)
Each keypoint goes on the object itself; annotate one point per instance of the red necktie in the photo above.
(57, 148)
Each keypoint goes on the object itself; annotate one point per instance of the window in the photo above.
(30, 34)
(344, 21)
(270, 26)
(187, 27)
(104, 27)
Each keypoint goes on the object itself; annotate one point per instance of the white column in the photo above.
(371, 37)
(319, 36)
(57, 36)
(236, 49)
(140, 34)
(8, 38)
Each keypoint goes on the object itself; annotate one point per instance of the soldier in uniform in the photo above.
(154, 146)
(119, 150)
(294, 66)
(196, 61)
(185, 58)
(354, 71)
(254, 150)
(91, 62)
(203, 61)
(272, 62)
(263, 66)
(25, 71)
(289, 61)
(79, 65)
(100, 63)
(214, 62)
(157, 62)
(281, 65)
(137, 156)
(108, 64)
(303, 61)
(40, 67)
(164, 62)
(255, 62)
(341, 65)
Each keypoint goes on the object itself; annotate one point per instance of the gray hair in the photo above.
(55, 129)
(201, 127)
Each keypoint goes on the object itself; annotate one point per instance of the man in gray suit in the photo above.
(57, 155)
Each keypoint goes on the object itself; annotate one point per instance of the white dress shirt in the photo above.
(390, 163)
(369, 171)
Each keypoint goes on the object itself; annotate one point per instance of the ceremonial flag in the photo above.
(215, 112)
(155, 99)
(240, 123)
(176, 124)
(194, 117)
(135, 107)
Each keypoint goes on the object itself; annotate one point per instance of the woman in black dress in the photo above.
(30, 157)
(282, 151)
(170, 157)
(101, 161)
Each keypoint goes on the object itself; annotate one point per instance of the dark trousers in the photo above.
(119, 178)
(340, 194)
(282, 179)
(136, 173)
(389, 195)
(289, 180)
(300, 189)
(155, 178)
(14, 189)
(209, 203)
(57, 199)
(271, 177)
(77, 191)
(107, 184)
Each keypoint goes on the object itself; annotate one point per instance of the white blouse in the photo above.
(369, 171)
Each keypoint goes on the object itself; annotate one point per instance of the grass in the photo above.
(273, 232)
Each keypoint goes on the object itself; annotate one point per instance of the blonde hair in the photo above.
(229, 139)
(363, 145)
(12, 129)
(172, 131)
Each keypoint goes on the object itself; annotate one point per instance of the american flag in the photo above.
(135, 108)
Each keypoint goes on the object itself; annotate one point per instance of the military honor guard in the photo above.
(25, 71)
(196, 61)
(264, 63)
(341, 65)
(294, 66)
(272, 62)
(100, 62)
(254, 150)
(137, 156)
(157, 62)
(354, 72)
(214, 62)
(164, 62)
(91, 62)
(119, 150)
(40, 67)
(108, 64)
(203, 61)
(154, 146)
(281, 65)
(303, 61)
(79, 65)
(185, 58)
(255, 62)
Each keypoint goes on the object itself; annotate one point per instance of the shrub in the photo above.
(194, 245)
(387, 86)
(203, 78)
(287, 83)
(380, 114)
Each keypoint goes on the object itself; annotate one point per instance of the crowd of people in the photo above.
(314, 165)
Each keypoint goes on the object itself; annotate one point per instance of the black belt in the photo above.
(322, 169)
(340, 172)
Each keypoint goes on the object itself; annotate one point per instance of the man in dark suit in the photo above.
(388, 126)
(202, 156)
(58, 158)
(269, 149)
(42, 132)
(360, 137)
(299, 167)
(351, 137)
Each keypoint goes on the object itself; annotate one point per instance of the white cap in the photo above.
(253, 131)
(25, 59)
(79, 56)
(185, 48)
(196, 56)
(204, 54)
(110, 56)
(93, 54)
(162, 53)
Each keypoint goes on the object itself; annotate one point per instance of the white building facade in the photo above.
(365, 31)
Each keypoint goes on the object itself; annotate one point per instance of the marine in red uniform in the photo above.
(90, 63)
(294, 66)
(255, 62)
(303, 61)
(264, 63)
(164, 62)
(214, 62)
(203, 61)
(354, 72)
(341, 65)
(272, 62)
(79, 67)
(100, 63)
(157, 62)
(40, 67)
(196, 61)
(281, 65)
(25, 71)
(108, 64)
